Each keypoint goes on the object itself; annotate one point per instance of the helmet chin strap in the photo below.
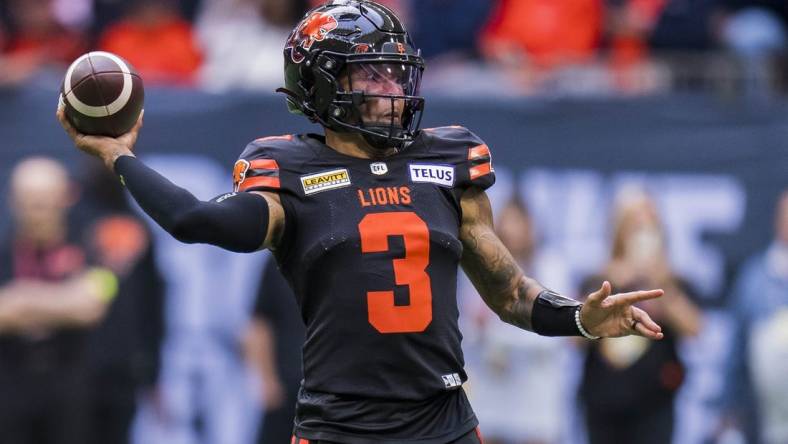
(383, 137)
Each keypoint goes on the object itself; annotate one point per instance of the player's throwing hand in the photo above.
(108, 149)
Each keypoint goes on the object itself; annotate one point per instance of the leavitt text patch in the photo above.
(328, 180)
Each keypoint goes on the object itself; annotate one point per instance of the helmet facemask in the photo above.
(378, 98)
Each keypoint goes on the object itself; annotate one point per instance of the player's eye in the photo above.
(372, 74)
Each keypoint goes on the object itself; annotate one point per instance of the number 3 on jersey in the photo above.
(384, 315)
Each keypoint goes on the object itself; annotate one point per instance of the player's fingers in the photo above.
(70, 130)
(138, 125)
(642, 330)
(642, 317)
(645, 326)
(598, 296)
(130, 138)
(61, 117)
(632, 297)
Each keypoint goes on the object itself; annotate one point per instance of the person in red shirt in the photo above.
(35, 41)
(547, 32)
(157, 41)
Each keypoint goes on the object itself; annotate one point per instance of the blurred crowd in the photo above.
(501, 46)
(158, 357)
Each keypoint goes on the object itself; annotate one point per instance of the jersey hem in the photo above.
(342, 438)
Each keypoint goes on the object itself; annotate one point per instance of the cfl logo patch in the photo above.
(379, 168)
(452, 381)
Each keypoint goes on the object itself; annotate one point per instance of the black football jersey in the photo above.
(371, 250)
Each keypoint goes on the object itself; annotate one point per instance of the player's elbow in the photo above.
(204, 224)
(187, 226)
(182, 232)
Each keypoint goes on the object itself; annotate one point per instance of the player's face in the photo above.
(388, 79)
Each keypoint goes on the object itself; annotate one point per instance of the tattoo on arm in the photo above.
(276, 220)
(492, 269)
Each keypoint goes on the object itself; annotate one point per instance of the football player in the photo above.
(369, 222)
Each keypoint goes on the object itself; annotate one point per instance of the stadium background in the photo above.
(701, 122)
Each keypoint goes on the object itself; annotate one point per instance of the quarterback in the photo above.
(369, 222)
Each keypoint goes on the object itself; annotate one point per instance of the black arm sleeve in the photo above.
(235, 222)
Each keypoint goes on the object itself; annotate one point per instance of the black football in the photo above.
(102, 94)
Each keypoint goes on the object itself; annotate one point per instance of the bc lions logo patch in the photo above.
(313, 29)
(239, 173)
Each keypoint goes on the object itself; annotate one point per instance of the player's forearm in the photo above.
(516, 298)
(491, 267)
(500, 281)
(234, 222)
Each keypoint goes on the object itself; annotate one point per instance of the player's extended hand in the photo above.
(106, 148)
(613, 316)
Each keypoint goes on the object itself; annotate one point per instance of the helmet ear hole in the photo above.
(323, 93)
(306, 74)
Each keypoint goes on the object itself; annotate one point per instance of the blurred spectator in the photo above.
(35, 42)
(629, 27)
(533, 42)
(629, 24)
(449, 27)
(753, 28)
(629, 384)
(273, 345)
(244, 41)
(157, 41)
(544, 32)
(48, 301)
(517, 382)
(206, 393)
(107, 12)
(684, 25)
(125, 347)
(759, 357)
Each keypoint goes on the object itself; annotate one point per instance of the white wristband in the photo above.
(583, 331)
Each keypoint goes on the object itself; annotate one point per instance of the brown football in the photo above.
(102, 94)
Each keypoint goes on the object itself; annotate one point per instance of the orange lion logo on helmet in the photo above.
(313, 29)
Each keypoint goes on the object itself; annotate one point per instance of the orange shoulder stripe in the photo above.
(480, 170)
(287, 137)
(478, 151)
(264, 164)
(259, 181)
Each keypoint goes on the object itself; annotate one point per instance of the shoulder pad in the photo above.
(472, 154)
(257, 167)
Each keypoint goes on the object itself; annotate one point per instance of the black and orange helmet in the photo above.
(338, 38)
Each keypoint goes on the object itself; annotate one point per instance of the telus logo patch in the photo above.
(439, 174)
